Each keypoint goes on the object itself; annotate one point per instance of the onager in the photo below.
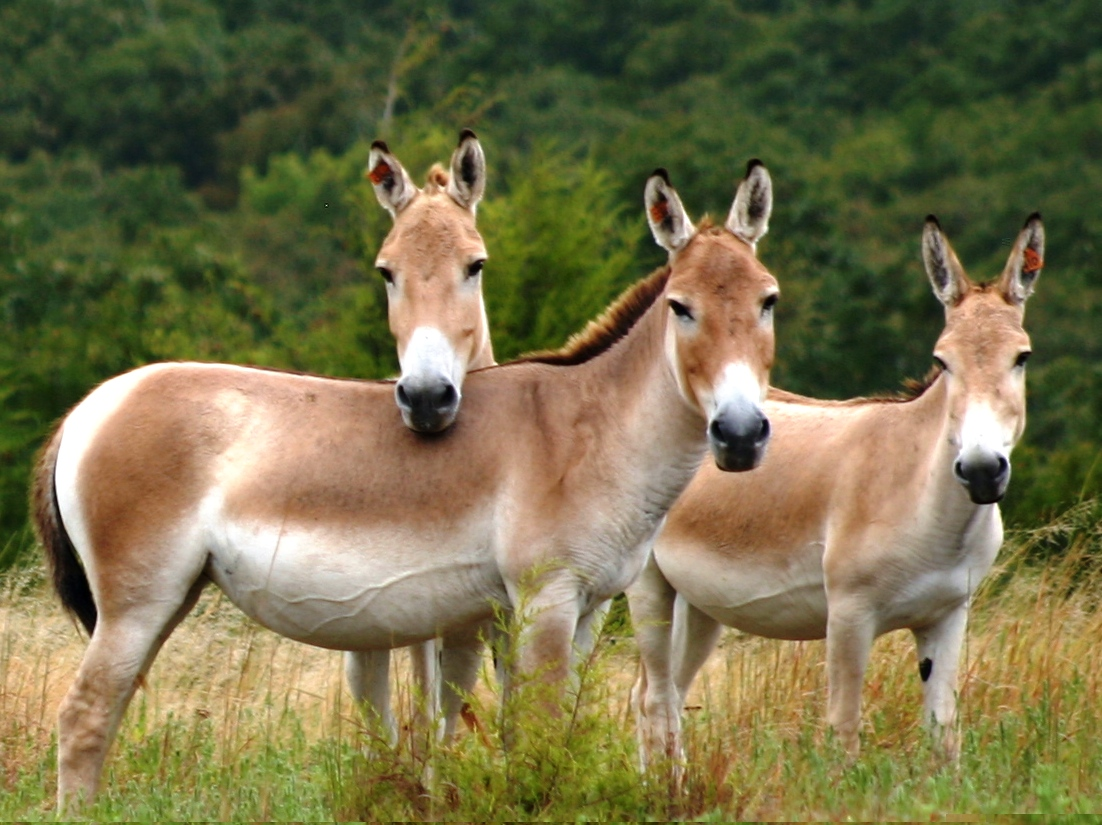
(867, 516)
(324, 518)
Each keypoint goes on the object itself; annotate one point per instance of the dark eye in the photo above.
(1022, 358)
(940, 364)
(388, 276)
(768, 304)
(475, 269)
(680, 310)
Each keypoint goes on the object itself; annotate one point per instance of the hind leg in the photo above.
(656, 699)
(368, 675)
(459, 663)
(121, 650)
(425, 665)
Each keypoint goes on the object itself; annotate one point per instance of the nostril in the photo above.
(765, 430)
(448, 396)
(715, 431)
(1003, 467)
(402, 396)
(958, 468)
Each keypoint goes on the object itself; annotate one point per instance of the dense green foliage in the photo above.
(182, 179)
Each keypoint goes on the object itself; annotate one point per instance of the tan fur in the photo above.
(854, 525)
(326, 519)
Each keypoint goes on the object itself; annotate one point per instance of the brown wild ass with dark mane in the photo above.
(324, 518)
(868, 516)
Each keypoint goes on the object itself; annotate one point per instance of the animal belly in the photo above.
(780, 598)
(356, 592)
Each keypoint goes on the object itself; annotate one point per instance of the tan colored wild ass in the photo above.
(867, 516)
(432, 262)
(324, 518)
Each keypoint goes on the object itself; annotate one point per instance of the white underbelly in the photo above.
(772, 598)
(357, 590)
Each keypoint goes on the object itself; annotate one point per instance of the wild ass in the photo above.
(432, 262)
(322, 517)
(868, 515)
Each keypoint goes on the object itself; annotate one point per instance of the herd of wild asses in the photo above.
(648, 456)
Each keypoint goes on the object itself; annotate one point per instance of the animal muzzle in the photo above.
(427, 404)
(984, 474)
(738, 438)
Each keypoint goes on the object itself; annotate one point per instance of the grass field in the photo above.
(238, 724)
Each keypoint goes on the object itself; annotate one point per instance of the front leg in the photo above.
(547, 623)
(656, 698)
(850, 633)
(939, 647)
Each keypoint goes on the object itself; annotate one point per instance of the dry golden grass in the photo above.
(1031, 694)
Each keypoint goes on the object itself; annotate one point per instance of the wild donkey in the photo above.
(324, 518)
(867, 516)
(432, 262)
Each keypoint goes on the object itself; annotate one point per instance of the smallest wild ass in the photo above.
(867, 516)
(321, 516)
(431, 261)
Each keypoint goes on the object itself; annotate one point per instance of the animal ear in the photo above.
(669, 223)
(749, 216)
(468, 177)
(392, 185)
(1025, 263)
(942, 267)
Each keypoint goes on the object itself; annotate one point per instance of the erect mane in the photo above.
(914, 387)
(437, 179)
(911, 390)
(613, 324)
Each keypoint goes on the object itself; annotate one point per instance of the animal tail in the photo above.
(69, 578)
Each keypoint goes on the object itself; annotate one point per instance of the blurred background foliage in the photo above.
(183, 179)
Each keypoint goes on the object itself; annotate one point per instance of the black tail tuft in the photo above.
(70, 581)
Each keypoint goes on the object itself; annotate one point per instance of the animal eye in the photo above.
(680, 310)
(475, 269)
(1022, 358)
(768, 304)
(941, 364)
(388, 276)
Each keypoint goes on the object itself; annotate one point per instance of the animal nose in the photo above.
(427, 405)
(985, 476)
(738, 439)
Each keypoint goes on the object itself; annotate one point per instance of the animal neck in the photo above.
(630, 391)
(484, 356)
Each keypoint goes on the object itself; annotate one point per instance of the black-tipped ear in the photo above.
(942, 267)
(468, 171)
(393, 188)
(753, 204)
(1025, 263)
(669, 223)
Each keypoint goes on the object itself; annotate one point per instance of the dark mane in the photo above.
(600, 334)
(912, 389)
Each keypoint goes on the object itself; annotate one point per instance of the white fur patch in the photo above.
(737, 388)
(80, 429)
(429, 354)
(983, 434)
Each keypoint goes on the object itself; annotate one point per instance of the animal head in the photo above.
(982, 354)
(719, 331)
(432, 263)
